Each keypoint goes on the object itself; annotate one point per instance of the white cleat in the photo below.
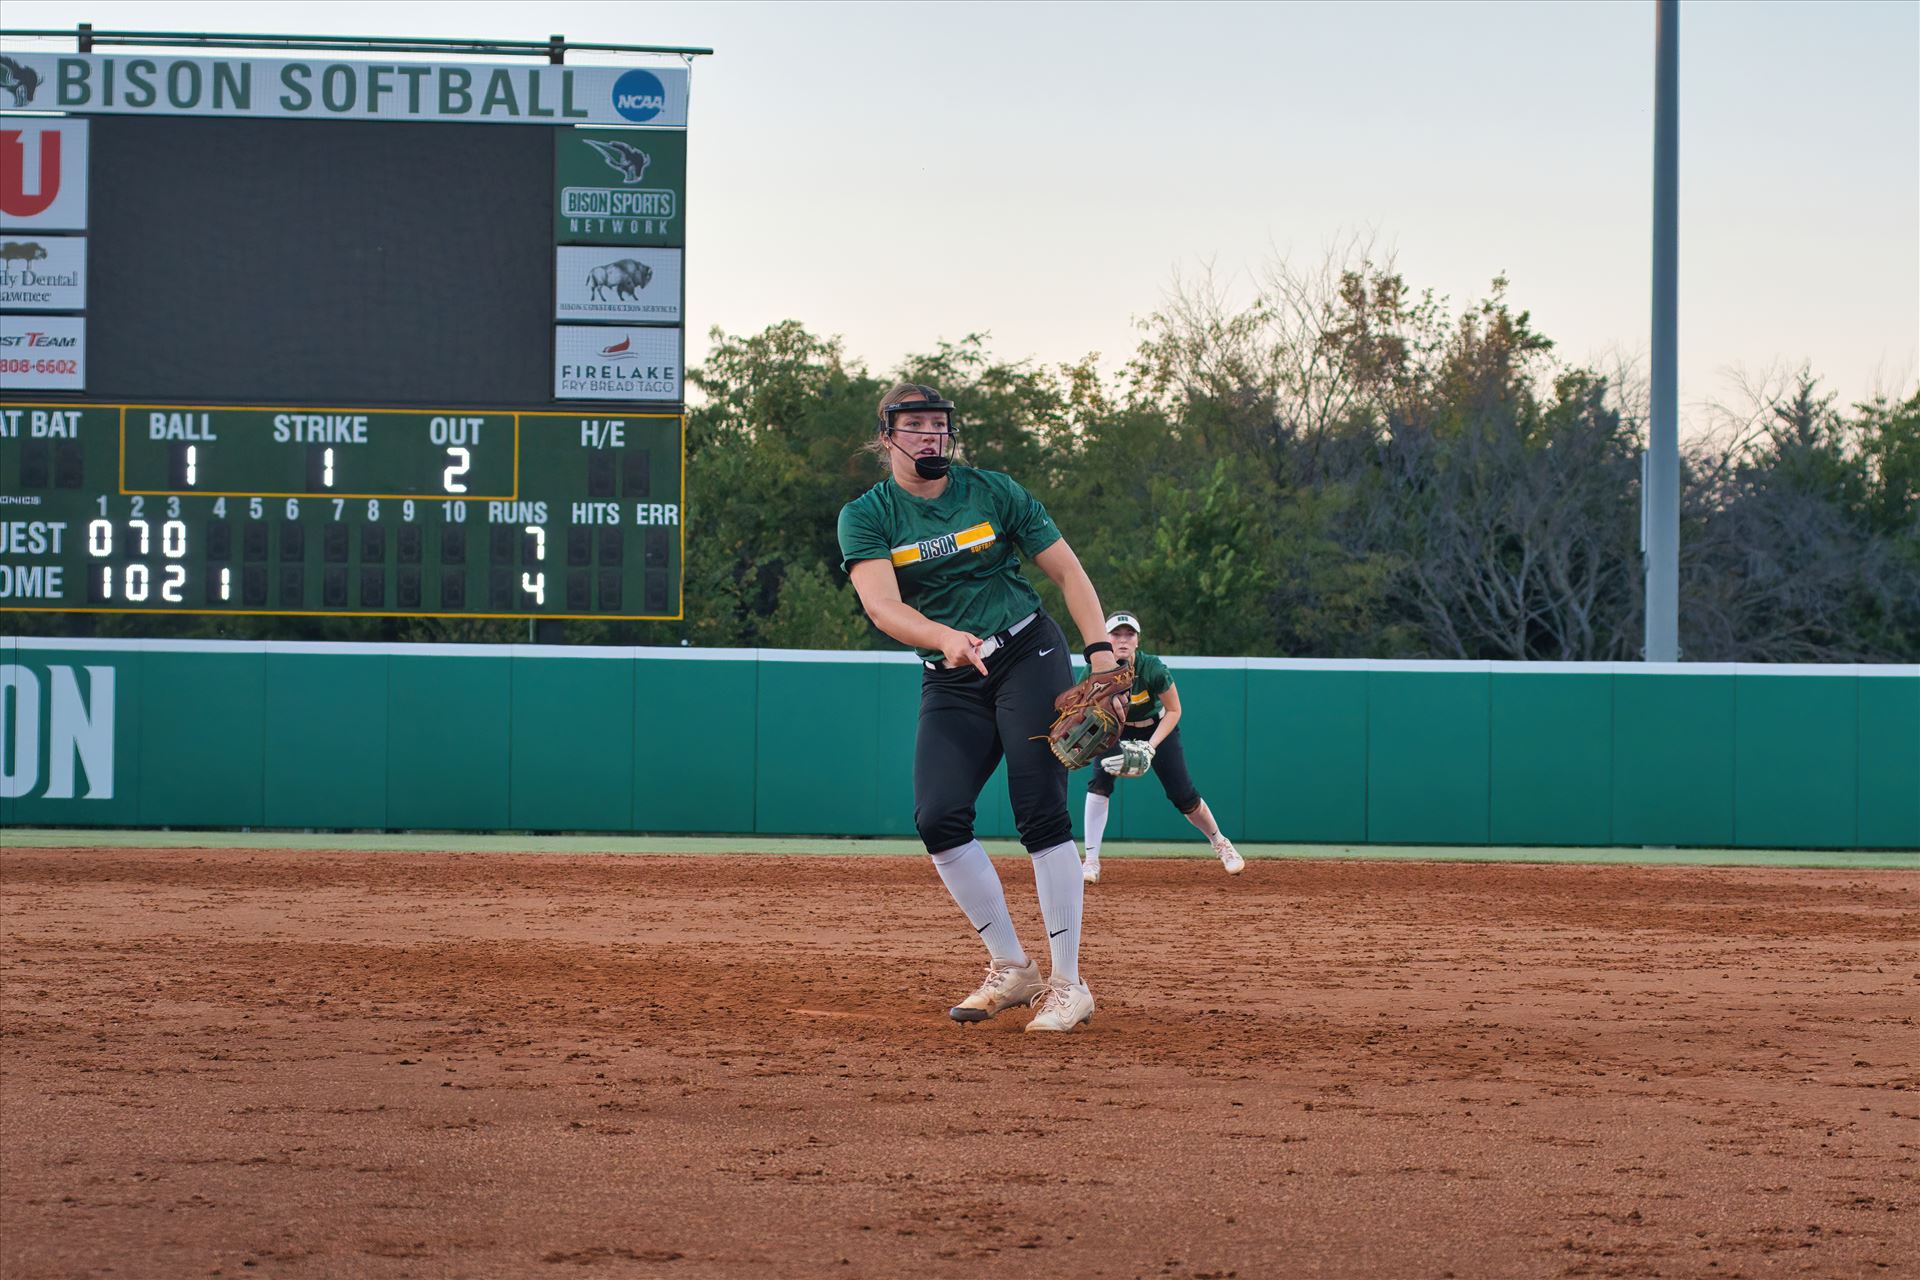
(1229, 856)
(1007, 986)
(1090, 869)
(1062, 1007)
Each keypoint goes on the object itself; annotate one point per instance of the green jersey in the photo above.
(1151, 680)
(957, 556)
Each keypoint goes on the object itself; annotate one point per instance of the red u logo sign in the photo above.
(14, 200)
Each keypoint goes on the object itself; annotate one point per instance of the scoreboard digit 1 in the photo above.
(446, 380)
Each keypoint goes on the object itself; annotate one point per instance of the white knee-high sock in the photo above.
(969, 876)
(1096, 822)
(1056, 874)
(1202, 818)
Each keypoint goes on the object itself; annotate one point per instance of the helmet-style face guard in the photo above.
(928, 401)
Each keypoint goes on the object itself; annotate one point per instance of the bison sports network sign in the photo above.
(619, 187)
(325, 89)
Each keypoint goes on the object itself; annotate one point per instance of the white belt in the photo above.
(992, 644)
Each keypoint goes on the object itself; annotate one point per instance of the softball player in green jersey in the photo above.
(1151, 740)
(934, 552)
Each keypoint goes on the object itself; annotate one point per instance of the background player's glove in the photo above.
(1132, 759)
(1086, 724)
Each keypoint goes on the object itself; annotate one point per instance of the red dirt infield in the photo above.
(305, 1064)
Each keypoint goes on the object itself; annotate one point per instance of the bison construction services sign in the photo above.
(640, 286)
(325, 89)
(43, 174)
(615, 362)
(43, 273)
(56, 732)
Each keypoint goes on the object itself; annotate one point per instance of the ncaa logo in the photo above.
(639, 96)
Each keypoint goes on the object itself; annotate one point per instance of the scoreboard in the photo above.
(341, 338)
(169, 508)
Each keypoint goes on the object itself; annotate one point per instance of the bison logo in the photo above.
(22, 251)
(623, 278)
(624, 158)
(17, 82)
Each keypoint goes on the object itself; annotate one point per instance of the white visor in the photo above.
(1119, 620)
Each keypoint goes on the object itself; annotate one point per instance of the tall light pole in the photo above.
(1660, 487)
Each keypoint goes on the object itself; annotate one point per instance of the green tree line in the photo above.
(1339, 467)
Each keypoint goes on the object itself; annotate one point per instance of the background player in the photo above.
(934, 553)
(1151, 739)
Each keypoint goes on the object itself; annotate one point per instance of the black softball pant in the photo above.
(969, 721)
(1169, 765)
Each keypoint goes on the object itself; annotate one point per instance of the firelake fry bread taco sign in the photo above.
(322, 88)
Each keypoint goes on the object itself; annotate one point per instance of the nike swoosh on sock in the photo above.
(1056, 933)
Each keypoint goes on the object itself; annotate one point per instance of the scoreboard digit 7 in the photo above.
(354, 338)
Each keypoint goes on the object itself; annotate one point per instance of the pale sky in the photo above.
(904, 173)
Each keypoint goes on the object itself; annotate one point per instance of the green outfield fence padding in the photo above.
(694, 728)
(570, 767)
(1428, 757)
(449, 725)
(203, 721)
(1563, 796)
(326, 740)
(816, 756)
(1796, 761)
(894, 712)
(1889, 813)
(210, 734)
(1306, 753)
(1673, 746)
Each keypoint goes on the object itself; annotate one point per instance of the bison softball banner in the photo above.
(325, 89)
(640, 286)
